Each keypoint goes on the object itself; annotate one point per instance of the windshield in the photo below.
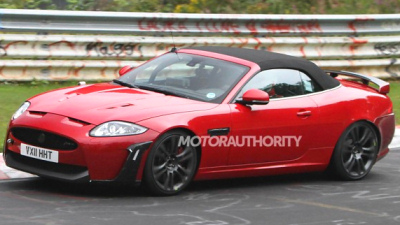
(185, 75)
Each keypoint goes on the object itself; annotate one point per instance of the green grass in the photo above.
(13, 95)
(395, 96)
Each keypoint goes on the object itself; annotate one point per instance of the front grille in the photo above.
(43, 139)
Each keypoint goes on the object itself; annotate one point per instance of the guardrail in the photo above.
(126, 47)
(189, 24)
(26, 70)
(98, 57)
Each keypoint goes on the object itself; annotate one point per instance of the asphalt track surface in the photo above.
(304, 199)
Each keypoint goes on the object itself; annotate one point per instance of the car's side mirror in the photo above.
(124, 70)
(254, 97)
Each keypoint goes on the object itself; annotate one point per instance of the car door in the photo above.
(283, 129)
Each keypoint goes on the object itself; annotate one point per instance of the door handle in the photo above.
(304, 113)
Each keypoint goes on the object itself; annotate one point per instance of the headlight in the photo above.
(116, 128)
(21, 110)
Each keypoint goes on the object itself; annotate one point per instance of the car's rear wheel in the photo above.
(171, 164)
(356, 152)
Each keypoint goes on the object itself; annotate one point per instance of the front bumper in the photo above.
(46, 169)
(95, 158)
(66, 172)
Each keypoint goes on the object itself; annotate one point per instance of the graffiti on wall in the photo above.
(114, 49)
(387, 49)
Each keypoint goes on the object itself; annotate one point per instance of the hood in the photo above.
(99, 103)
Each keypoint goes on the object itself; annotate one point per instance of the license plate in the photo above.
(39, 153)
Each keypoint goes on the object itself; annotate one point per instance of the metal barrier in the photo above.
(117, 47)
(98, 57)
(189, 24)
(25, 70)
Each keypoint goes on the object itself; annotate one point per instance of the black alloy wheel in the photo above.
(171, 164)
(355, 152)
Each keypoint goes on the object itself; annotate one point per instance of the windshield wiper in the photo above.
(163, 91)
(124, 84)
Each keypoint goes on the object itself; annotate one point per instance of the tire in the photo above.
(356, 152)
(170, 165)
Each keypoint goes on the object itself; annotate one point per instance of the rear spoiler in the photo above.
(383, 86)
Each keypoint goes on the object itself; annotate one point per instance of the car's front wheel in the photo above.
(171, 164)
(356, 152)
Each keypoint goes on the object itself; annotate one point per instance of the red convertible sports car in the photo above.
(205, 113)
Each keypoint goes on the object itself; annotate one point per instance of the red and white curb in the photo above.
(395, 144)
(9, 173)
